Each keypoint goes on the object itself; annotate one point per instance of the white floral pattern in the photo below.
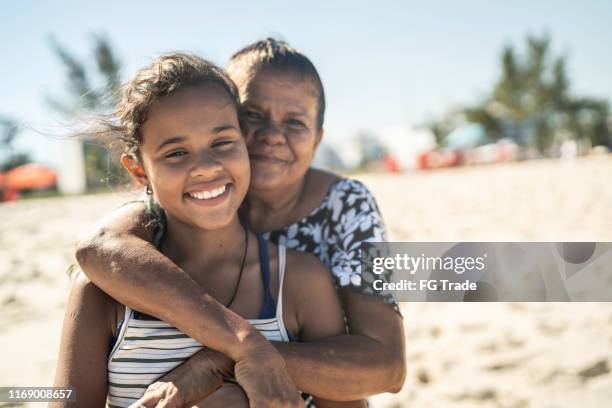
(334, 231)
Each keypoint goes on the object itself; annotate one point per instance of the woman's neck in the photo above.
(268, 210)
(279, 208)
(188, 245)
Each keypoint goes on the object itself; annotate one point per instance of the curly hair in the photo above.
(164, 76)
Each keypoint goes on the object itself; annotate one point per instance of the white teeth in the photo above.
(205, 195)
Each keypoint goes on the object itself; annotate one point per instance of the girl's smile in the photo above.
(209, 197)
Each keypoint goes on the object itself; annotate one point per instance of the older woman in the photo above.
(283, 106)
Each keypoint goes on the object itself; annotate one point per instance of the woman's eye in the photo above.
(250, 115)
(222, 143)
(296, 123)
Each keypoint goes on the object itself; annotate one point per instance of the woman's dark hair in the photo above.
(166, 75)
(277, 55)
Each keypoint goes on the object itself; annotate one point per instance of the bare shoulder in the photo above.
(323, 176)
(318, 182)
(304, 271)
(312, 300)
(92, 306)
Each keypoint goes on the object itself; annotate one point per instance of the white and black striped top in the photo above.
(146, 349)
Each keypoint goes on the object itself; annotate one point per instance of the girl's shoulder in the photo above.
(305, 276)
(303, 267)
(311, 307)
(86, 297)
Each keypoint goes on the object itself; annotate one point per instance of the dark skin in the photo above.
(282, 136)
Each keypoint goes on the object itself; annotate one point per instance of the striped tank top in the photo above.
(147, 349)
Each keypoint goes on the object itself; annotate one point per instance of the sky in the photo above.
(385, 65)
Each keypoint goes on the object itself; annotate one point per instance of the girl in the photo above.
(179, 124)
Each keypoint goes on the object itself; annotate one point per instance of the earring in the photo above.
(148, 190)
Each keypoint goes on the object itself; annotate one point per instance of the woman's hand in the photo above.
(263, 376)
(190, 382)
(160, 394)
(229, 395)
(261, 372)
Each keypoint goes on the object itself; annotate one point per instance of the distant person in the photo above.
(282, 107)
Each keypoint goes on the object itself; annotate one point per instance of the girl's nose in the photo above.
(205, 165)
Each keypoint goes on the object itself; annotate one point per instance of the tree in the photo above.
(91, 91)
(531, 102)
(9, 130)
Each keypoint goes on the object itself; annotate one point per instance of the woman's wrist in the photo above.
(250, 341)
(201, 375)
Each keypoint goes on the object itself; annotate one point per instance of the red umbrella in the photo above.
(31, 176)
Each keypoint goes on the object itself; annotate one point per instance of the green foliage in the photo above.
(532, 104)
(91, 90)
(9, 131)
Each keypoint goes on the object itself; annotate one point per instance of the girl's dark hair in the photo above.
(278, 55)
(167, 74)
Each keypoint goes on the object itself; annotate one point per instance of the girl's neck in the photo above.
(190, 246)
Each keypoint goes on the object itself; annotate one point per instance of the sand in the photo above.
(459, 355)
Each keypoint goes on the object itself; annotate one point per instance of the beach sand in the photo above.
(459, 355)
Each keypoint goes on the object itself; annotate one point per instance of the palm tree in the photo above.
(91, 91)
(532, 104)
(9, 130)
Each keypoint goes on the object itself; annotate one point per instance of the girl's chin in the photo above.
(211, 223)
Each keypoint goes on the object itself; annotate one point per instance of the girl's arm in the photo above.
(85, 345)
(120, 259)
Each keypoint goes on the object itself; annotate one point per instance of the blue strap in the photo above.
(268, 309)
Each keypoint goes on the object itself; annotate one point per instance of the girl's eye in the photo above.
(176, 153)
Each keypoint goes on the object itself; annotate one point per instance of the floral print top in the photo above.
(334, 231)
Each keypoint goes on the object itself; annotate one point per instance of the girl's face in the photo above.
(194, 156)
(280, 112)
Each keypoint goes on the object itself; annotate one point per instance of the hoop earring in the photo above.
(148, 190)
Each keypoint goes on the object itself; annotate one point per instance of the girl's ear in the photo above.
(133, 166)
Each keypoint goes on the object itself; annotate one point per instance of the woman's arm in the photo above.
(85, 345)
(311, 301)
(370, 360)
(119, 258)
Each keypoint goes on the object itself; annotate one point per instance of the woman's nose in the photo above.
(270, 134)
(205, 165)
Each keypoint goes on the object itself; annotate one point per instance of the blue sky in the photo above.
(383, 64)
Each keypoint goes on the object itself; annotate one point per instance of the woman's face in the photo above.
(280, 114)
(194, 156)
